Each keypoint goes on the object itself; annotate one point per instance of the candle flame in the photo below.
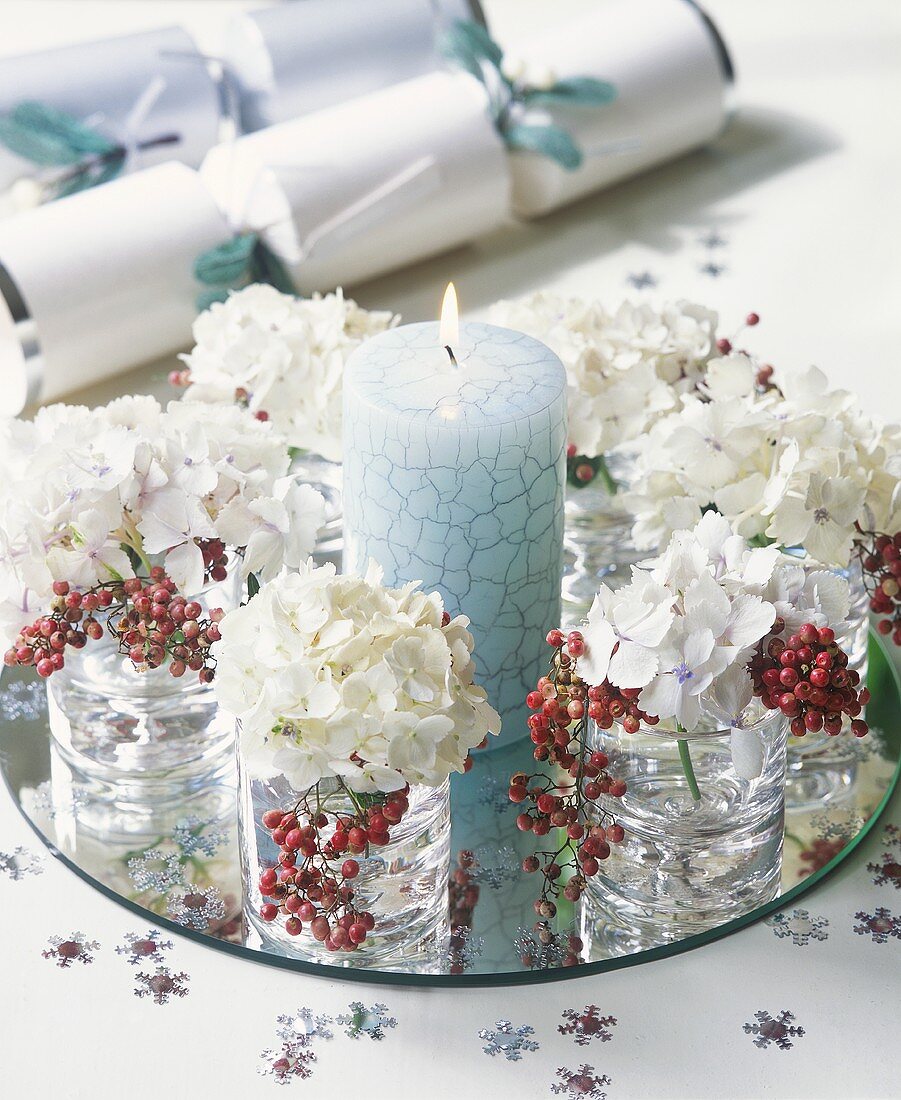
(449, 329)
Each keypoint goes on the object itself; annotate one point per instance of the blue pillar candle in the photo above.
(454, 467)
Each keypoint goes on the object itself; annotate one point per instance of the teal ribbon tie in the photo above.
(470, 47)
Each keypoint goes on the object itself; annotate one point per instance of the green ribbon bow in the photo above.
(470, 47)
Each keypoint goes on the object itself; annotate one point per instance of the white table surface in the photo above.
(803, 189)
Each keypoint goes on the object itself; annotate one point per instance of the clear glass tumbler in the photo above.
(597, 541)
(141, 736)
(403, 883)
(689, 863)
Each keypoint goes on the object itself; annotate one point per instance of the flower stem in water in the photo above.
(685, 757)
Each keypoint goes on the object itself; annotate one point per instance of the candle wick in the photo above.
(450, 352)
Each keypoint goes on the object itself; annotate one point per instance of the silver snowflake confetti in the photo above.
(494, 794)
(464, 948)
(67, 950)
(508, 1040)
(20, 862)
(642, 280)
(779, 1030)
(587, 1024)
(196, 906)
(837, 825)
(362, 1021)
(712, 239)
(889, 870)
(493, 868)
(161, 985)
(302, 1026)
(542, 949)
(582, 1082)
(51, 803)
(880, 925)
(195, 836)
(294, 1058)
(290, 1061)
(799, 926)
(156, 870)
(712, 269)
(23, 700)
(139, 949)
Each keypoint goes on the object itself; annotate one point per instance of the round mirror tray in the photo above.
(152, 862)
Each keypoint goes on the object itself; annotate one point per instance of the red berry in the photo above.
(268, 912)
(350, 868)
(546, 803)
(320, 928)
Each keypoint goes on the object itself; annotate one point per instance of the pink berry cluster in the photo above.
(806, 676)
(316, 865)
(563, 704)
(151, 621)
(880, 557)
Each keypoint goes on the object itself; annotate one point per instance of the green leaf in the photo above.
(547, 141)
(267, 267)
(226, 263)
(577, 91)
(86, 176)
(253, 585)
(469, 45)
(50, 138)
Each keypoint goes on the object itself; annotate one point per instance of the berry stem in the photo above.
(687, 767)
(604, 474)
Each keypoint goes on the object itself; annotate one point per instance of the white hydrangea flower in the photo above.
(282, 356)
(88, 494)
(340, 676)
(799, 468)
(625, 368)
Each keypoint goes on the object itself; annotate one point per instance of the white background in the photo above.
(804, 189)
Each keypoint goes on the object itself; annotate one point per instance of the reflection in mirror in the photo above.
(180, 865)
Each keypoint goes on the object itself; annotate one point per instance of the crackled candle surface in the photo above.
(454, 476)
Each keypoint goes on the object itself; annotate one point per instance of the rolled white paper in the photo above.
(134, 89)
(374, 184)
(293, 59)
(101, 281)
(671, 71)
